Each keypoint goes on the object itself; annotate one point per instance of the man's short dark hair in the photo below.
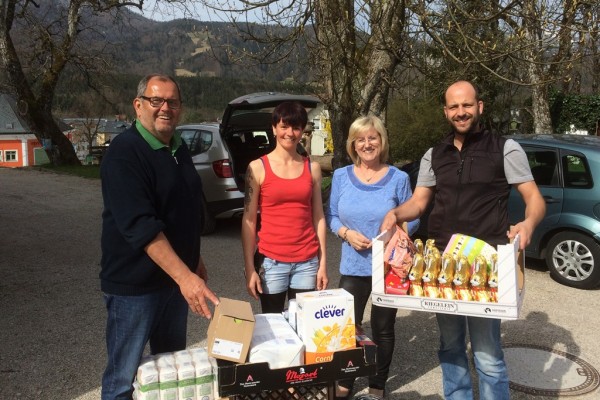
(291, 113)
(477, 91)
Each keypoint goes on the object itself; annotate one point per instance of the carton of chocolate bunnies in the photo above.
(469, 277)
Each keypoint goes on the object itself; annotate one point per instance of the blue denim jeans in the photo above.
(484, 334)
(159, 318)
(278, 276)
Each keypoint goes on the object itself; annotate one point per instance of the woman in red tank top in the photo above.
(289, 255)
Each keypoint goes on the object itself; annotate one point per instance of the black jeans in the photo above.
(383, 320)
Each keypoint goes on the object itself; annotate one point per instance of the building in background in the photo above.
(317, 120)
(19, 147)
(91, 136)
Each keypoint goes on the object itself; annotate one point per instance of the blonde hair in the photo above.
(362, 124)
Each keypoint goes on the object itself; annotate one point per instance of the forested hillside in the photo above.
(131, 46)
(204, 97)
(68, 58)
(192, 48)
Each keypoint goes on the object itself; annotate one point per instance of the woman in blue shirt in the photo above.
(361, 195)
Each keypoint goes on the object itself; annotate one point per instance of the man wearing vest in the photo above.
(469, 176)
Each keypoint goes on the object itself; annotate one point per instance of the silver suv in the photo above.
(211, 159)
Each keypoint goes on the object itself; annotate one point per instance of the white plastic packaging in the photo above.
(146, 386)
(275, 342)
(186, 376)
(167, 376)
(205, 374)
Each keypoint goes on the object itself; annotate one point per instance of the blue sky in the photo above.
(162, 11)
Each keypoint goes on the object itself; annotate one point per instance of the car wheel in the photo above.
(571, 259)
(210, 222)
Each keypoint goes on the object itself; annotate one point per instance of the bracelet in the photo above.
(345, 238)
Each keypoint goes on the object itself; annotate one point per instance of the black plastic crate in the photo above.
(319, 392)
(304, 382)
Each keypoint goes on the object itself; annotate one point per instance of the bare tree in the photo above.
(537, 46)
(33, 70)
(355, 48)
(86, 131)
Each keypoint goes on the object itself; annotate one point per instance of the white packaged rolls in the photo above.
(186, 376)
(146, 385)
(167, 376)
(275, 342)
(206, 370)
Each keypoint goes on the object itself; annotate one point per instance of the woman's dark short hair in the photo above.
(291, 113)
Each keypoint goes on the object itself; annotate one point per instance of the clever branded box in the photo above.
(230, 330)
(511, 287)
(325, 323)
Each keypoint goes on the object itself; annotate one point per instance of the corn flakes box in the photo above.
(325, 323)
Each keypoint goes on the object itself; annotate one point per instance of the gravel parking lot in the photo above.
(52, 315)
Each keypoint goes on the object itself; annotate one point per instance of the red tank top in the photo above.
(287, 232)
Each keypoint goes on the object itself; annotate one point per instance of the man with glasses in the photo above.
(151, 268)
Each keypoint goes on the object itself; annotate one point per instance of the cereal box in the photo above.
(325, 323)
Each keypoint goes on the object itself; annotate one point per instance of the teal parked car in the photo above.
(567, 171)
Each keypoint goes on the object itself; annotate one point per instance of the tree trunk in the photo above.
(540, 108)
(383, 59)
(335, 53)
(374, 95)
(340, 125)
(37, 115)
(43, 125)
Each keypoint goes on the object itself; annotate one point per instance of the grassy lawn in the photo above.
(85, 171)
(93, 172)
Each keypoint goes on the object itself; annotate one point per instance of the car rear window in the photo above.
(577, 172)
(197, 140)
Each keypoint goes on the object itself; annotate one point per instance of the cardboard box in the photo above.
(325, 323)
(230, 330)
(511, 287)
(259, 381)
(275, 342)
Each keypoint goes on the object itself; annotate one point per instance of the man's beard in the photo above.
(474, 125)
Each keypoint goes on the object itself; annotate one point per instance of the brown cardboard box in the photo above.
(230, 330)
(511, 287)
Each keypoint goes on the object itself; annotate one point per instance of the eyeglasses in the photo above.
(157, 102)
(370, 139)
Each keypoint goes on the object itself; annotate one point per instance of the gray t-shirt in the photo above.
(516, 166)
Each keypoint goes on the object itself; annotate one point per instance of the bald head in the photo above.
(462, 86)
(463, 107)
